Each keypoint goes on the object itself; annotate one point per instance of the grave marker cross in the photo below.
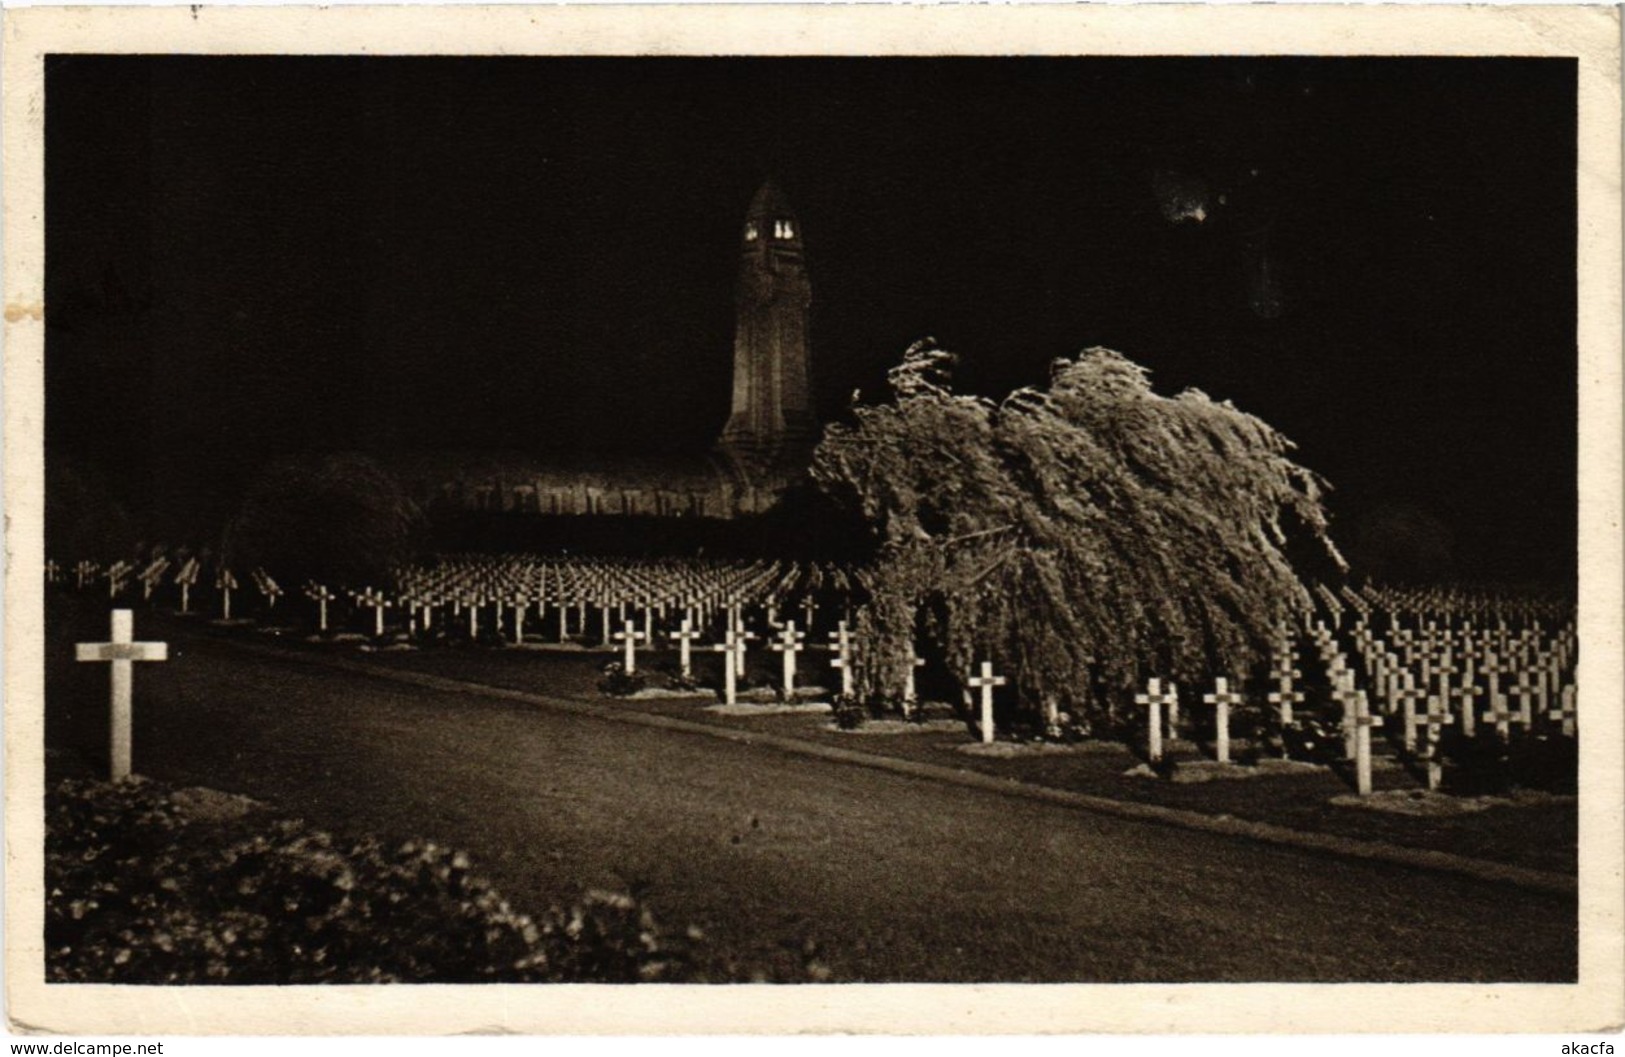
(186, 578)
(731, 647)
(121, 651)
(1465, 693)
(684, 636)
(116, 574)
(1407, 693)
(151, 576)
(227, 583)
(319, 594)
(268, 587)
(842, 641)
(1221, 699)
(1344, 694)
(1363, 722)
(789, 644)
(520, 603)
(1284, 697)
(1565, 710)
(629, 637)
(985, 682)
(1524, 693)
(1501, 716)
(1154, 699)
(378, 604)
(911, 693)
(1436, 720)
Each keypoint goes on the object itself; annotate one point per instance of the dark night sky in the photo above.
(251, 256)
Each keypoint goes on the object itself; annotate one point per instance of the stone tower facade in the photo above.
(772, 413)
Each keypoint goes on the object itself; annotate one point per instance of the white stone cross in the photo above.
(1445, 662)
(1221, 699)
(268, 587)
(227, 584)
(564, 618)
(319, 594)
(732, 646)
(789, 643)
(1343, 693)
(84, 570)
(1284, 697)
(378, 604)
(629, 637)
(1500, 715)
(1363, 722)
(910, 693)
(1437, 718)
(985, 682)
(841, 639)
(1492, 667)
(685, 635)
(520, 603)
(1565, 710)
(1407, 693)
(1390, 683)
(745, 637)
(151, 576)
(116, 574)
(121, 652)
(1465, 693)
(1155, 699)
(1524, 693)
(186, 578)
(53, 572)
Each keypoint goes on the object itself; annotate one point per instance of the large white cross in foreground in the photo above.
(121, 651)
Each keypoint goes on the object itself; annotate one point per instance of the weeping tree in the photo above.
(1081, 535)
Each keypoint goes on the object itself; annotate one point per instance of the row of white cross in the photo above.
(1162, 704)
(1536, 688)
(706, 593)
(1414, 606)
(122, 650)
(1443, 668)
(1161, 701)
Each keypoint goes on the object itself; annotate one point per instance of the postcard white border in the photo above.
(1589, 34)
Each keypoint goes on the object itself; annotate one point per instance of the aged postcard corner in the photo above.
(1589, 35)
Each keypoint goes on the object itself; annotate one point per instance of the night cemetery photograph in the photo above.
(811, 520)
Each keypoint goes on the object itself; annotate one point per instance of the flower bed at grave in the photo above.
(150, 885)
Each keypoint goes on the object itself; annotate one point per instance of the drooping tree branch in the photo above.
(1092, 530)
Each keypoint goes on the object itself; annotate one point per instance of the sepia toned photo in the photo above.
(627, 501)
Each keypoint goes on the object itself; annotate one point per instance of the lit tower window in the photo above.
(751, 232)
(783, 229)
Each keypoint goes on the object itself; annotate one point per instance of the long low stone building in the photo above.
(712, 485)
